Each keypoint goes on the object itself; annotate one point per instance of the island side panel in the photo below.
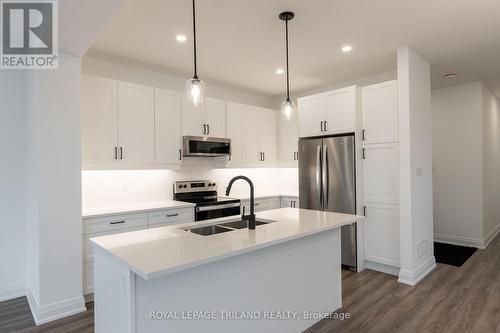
(299, 275)
(114, 295)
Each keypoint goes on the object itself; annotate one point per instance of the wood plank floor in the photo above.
(450, 299)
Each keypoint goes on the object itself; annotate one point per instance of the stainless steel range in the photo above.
(203, 193)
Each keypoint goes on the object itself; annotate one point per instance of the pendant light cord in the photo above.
(194, 41)
(287, 75)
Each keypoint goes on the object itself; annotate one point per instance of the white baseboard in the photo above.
(12, 291)
(459, 240)
(413, 277)
(491, 236)
(468, 241)
(383, 268)
(54, 311)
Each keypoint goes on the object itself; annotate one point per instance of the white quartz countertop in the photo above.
(134, 208)
(159, 251)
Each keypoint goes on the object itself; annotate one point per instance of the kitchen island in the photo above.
(213, 277)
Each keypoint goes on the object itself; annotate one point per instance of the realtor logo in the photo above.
(29, 34)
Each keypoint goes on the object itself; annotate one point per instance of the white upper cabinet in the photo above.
(341, 111)
(380, 173)
(253, 153)
(99, 114)
(235, 121)
(207, 119)
(311, 111)
(136, 136)
(261, 140)
(327, 113)
(380, 112)
(168, 137)
(288, 140)
(215, 117)
(268, 138)
(193, 118)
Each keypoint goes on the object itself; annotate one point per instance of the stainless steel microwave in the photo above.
(202, 146)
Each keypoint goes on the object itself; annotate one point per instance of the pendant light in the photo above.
(287, 107)
(195, 88)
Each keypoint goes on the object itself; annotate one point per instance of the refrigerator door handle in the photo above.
(319, 174)
(326, 176)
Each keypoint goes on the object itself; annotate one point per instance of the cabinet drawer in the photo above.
(171, 216)
(259, 205)
(274, 203)
(114, 223)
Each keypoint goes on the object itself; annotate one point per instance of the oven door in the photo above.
(201, 146)
(215, 211)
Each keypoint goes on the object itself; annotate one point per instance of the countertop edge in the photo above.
(149, 276)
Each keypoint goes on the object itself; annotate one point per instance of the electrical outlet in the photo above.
(419, 171)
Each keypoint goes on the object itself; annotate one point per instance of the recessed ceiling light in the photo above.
(449, 76)
(280, 71)
(181, 38)
(346, 48)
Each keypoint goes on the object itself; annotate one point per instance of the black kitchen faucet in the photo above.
(249, 218)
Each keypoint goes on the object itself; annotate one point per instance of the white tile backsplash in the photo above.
(102, 188)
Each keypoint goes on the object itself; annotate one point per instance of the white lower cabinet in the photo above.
(115, 224)
(381, 228)
(292, 202)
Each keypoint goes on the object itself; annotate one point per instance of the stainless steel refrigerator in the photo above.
(327, 181)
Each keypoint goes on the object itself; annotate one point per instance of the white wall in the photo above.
(121, 187)
(156, 77)
(12, 183)
(491, 163)
(466, 151)
(458, 187)
(54, 192)
(415, 165)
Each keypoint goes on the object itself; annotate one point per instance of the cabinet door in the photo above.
(136, 123)
(380, 173)
(168, 137)
(215, 117)
(311, 111)
(380, 112)
(268, 138)
(193, 118)
(381, 234)
(341, 111)
(99, 120)
(235, 119)
(252, 128)
(274, 203)
(288, 140)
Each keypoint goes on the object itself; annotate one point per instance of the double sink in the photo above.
(224, 227)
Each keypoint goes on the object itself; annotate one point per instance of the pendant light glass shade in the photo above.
(287, 110)
(195, 90)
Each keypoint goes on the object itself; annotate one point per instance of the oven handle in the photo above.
(217, 207)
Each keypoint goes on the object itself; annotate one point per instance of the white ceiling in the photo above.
(241, 41)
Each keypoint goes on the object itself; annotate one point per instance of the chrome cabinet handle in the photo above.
(204, 129)
(180, 155)
(263, 157)
(363, 135)
(326, 126)
(321, 126)
(121, 153)
(117, 222)
(208, 129)
(172, 215)
(116, 153)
